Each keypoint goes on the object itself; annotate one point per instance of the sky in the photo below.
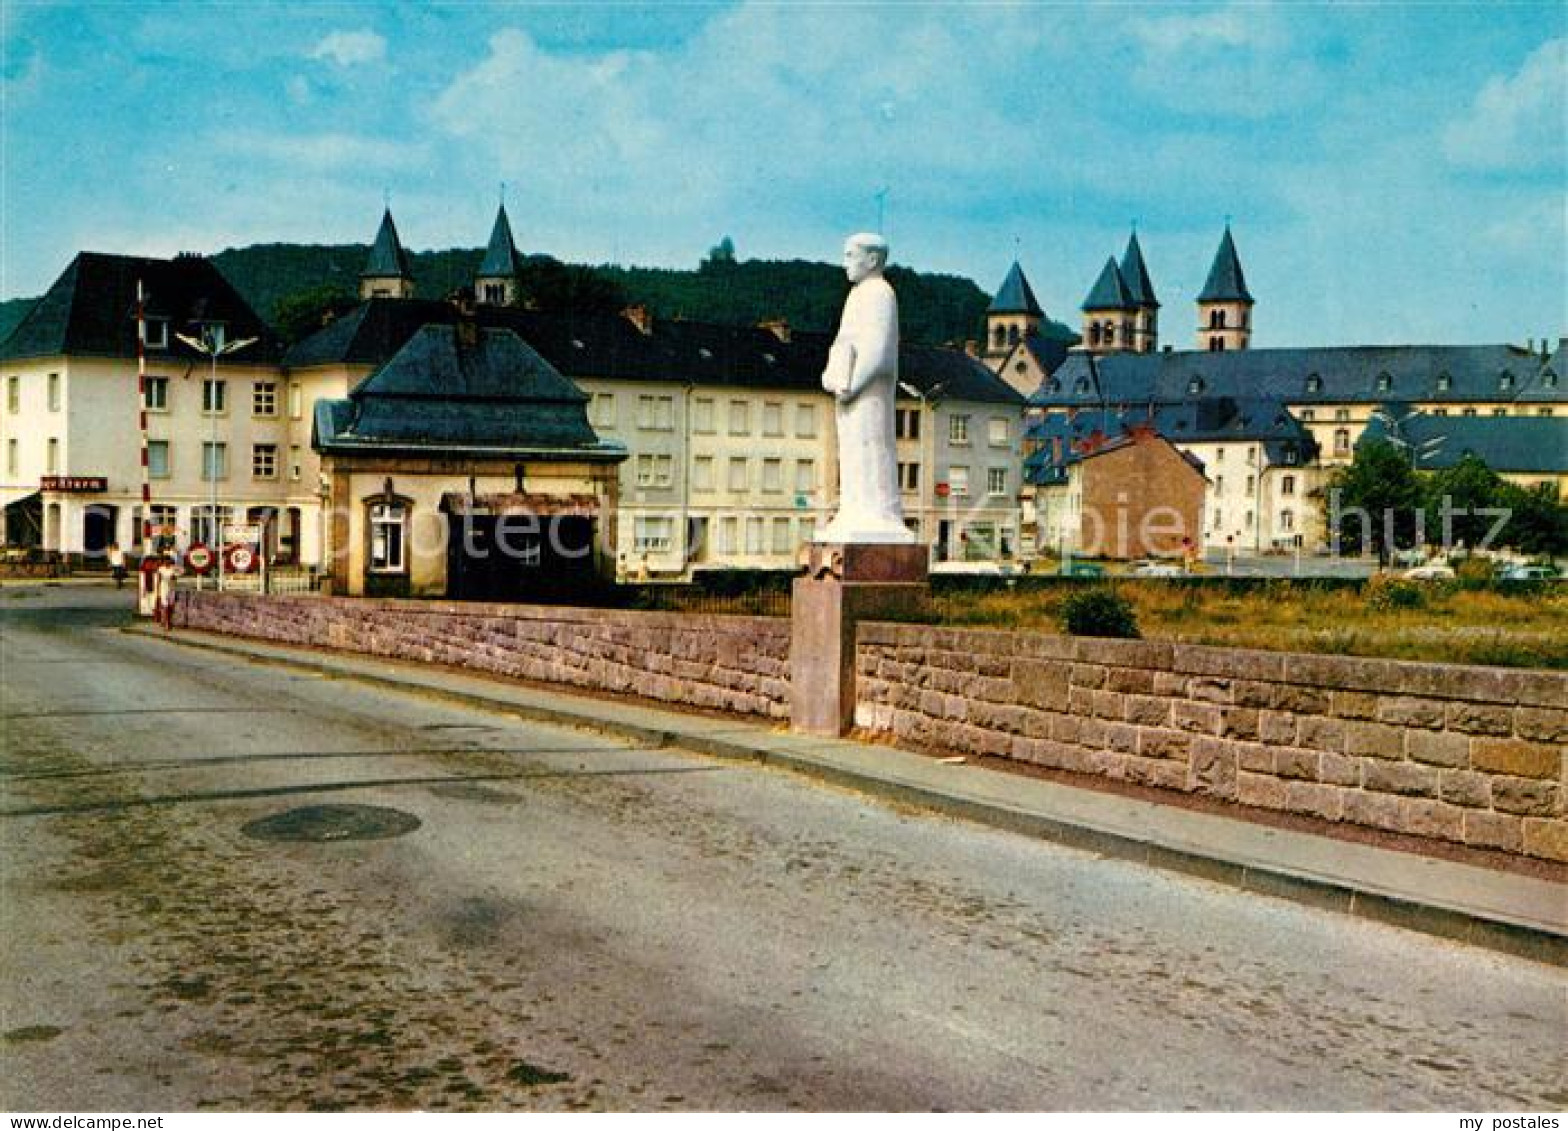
(1392, 172)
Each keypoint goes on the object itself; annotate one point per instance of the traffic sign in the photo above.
(241, 559)
(199, 559)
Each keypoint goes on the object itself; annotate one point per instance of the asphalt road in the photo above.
(579, 923)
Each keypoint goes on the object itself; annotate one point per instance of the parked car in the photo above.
(1081, 569)
(1528, 573)
(1157, 569)
(1429, 573)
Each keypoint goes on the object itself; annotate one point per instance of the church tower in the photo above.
(1145, 336)
(1013, 315)
(387, 273)
(496, 282)
(1109, 313)
(1225, 304)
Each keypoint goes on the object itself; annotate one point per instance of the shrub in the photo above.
(1385, 594)
(1474, 573)
(1099, 612)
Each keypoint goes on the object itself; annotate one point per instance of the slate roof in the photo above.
(1504, 443)
(610, 347)
(90, 310)
(387, 259)
(486, 395)
(1325, 375)
(1226, 283)
(1109, 291)
(1015, 295)
(1140, 288)
(501, 258)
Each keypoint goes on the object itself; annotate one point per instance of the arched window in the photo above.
(1217, 345)
(1216, 320)
(1000, 336)
(1012, 335)
(1094, 333)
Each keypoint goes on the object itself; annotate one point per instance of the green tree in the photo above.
(298, 315)
(561, 288)
(721, 257)
(1537, 519)
(1373, 503)
(1462, 503)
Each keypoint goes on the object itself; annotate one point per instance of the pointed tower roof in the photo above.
(1015, 295)
(1110, 290)
(501, 257)
(1140, 288)
(387, 258)
(1226, 283)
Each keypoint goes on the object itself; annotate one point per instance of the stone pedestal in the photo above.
(844, 584)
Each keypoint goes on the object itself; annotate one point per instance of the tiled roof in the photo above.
(481, 394)
(1015, 295)
(1503, 443)
(1140, 288)
(1226, 283)
(501, 259)
(1109, 291)
(387, 258)
(1324, 375)
(90, 311)
(610, 347)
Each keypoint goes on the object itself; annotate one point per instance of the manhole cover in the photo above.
(333, 822)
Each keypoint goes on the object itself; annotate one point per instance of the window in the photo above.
(773, 475)
(1341, 415)
(13, 457)
(1543, 412)
(1505, 381)
(215, 334)
(54, 392)
(653, 534)
(909, 476)
(1287, 485)
(155, 333)
(958, 429)
(772, 418)
(1468, 412)
(805, 476)
(782, 544)
(656, 413)
(1219, 520)
(996, 481)
(738, 474)
(655, 470)
(1287, 520)
(163, 519)
(1384, 384)
(1548, 380)
(1442, 412)
(906, 424)
(958, 480)
(214, 396)
(1216, 320)
(702, 415)
(158, 459)
(754, 535)
(294, 462)
(740, 418)
(13, 394)
(388, 522)
(1216, 345)
(1499, 412)
(1247, 519)
(52, 457)
(1219, 483)
(203, 529)
(214, 460)
(1314, 384)
(1342, 441)
(728, 535)
(1290, 454)
(1252, 457)
(1219, 455)
(1194, 386)
(997, 431)
(702, 473)
(1444, 382)
(601, 410)
(296, 400)
(1308, 416)
(1251, 484)
(264, 461)
(264, 398)
(156, 394)
(806, 420)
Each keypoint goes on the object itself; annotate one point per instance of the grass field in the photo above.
(1446, 623)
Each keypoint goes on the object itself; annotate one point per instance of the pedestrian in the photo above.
(117, 564)
(164, 589)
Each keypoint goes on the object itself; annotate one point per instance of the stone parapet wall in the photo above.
(1464, 754)
(724, 663)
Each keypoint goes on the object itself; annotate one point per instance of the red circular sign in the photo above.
(199, 559)
(241, 559)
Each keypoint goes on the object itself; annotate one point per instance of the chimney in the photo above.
(778, 327)
(971, 347)
(637, 314)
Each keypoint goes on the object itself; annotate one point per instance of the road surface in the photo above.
(580, 923)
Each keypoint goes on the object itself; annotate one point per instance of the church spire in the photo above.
(496, 282)
(1225, 304)
(1140, 289)
(387, 273)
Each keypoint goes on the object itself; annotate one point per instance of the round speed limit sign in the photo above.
(242, 559)
(199, 559)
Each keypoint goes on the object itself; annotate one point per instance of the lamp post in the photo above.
(928, 402)
(207, 344)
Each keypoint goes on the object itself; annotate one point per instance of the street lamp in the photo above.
(928, 402)
(207, 344)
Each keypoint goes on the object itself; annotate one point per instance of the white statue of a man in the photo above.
(862, 375)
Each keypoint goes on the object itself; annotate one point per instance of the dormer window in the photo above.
(1548, 380)
(1314, 383)
(1505, 381)
(1444, 382)
(1081, 385)
(1055, 386)
(155, 333)
(1384, 382)
(1195, 386)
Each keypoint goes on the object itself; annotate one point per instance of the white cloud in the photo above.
(320, 153)
(350, 48)
(1232, 26)
(1516, 121)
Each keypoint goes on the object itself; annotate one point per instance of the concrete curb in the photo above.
(1381, 901)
